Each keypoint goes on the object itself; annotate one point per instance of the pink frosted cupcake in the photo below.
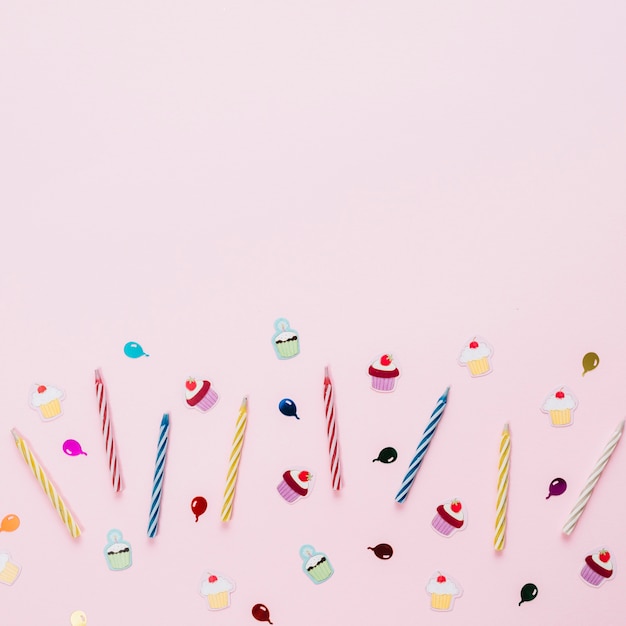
(384, 373)
(449, 518)
(597, 568)
(295, 485)
(199, 394)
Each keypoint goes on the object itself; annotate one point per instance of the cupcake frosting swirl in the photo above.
(48, 394)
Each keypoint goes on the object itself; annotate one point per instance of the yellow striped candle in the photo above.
(503, 488)
(46, 485)
(233, 464)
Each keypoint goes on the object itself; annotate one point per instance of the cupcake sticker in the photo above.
(295, 484)
(216, 589)
(46, 400)
(443, 591)
(450, 517)
(559, 405)
(9, 571)
(598, 568)
(476, 356)
(315, 564)
(285, 340)
(199, 394)
(117, 552)
(383, 373)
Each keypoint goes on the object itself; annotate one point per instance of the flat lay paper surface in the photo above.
(393, 179)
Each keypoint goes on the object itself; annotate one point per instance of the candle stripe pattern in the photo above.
(422, 448)
(585, 494)
(503, 488)
(233, 463)
(159, 473)
(107, 433)
(47, 485)
(331, 431)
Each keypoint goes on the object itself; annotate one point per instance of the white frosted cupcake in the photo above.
(450, 517)
(285, 341)
(47, 400)
(598, 568)
(384, 373)
(560, 405)
(117, 552)
(216, 589)
(476, 356)
(443, 591)
(9, 571)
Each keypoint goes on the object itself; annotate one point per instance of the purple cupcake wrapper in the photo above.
(287, 492)
(208, 401)
(441, 526)
(383, 384)
(593, 578)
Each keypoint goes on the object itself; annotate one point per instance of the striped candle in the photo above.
(503, 488)
(585, 494)
(159, 472)
(233, 463)
(331, 431)
(45, 483)
(107, 433)
(422, 447)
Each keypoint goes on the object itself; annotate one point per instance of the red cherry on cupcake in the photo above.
(304, 476)
(385, 360)
(560, 395)
(455, 506)
(190, 384)
(473, 344)
(604, 556)
(41, 388)
(212, 578)
(441, 578)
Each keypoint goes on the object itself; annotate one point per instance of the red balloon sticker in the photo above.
(261, 613)
(198, 506)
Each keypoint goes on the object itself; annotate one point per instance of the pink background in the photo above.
(390, 177)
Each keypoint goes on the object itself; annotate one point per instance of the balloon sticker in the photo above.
(198, 506)
(559, 405)
(261, 613)
(383, 551)
(288, 407)
(9, 523)
(285, 340)
(386, 455)
(71, 447)
(9, 571)
(450, 517)
(383, 373)
(216, 589)
(556, 487)
(528, 592)
(117, 552)
(315, 564)
(78, 618)
(443, 591)
(295, 484)
(133, 350)
(46, 399)
(200, 394)
(590, 361)
(476, 356)
(598, 568)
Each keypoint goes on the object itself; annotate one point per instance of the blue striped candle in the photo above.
(420, 453)
(159, 470)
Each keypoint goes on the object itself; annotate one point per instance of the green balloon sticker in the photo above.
(590, 361)
(528, 592)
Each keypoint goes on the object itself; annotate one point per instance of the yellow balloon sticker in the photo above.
(78, 618)
(590, 361)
